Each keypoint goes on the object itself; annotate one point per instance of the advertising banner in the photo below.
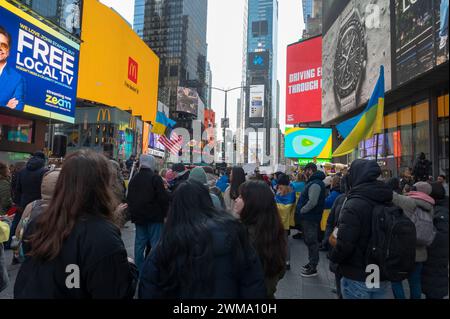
(38, 66)
(187, 100)
(304, 82)
(256, 101)
(258, 60)
(117, 68)
(355, 44)
(308, 143)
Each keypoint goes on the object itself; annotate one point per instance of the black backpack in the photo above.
(392, 245)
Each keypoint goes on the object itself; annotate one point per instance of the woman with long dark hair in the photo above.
(75, 242)
(203, 253)
(258, 212)
(237, 178)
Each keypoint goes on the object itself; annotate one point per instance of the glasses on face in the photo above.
(4, 46)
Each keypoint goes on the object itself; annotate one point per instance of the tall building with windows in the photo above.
(260, 76)
(176, 31)
(312, 17)
(208, 81)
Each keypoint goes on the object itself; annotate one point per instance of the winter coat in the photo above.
(435, 269)
(408, 204)
(29, 181)
(95, 246)
(229, 202)
(223, 183)
(5, 195)
(329, 200)
(148, 201)
(244, 280)
(312, 201)
(355, 220)
(331, 223)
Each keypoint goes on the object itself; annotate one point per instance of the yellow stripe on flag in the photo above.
(158, 128)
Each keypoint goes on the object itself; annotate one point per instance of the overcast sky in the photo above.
(225, 38)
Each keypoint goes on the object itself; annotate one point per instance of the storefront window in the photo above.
(15, 129)
(443, 135)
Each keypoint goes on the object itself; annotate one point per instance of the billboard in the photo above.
(258, 60)
(116, 67)
(355, 44)
(308, 143)
(187, 100)
(38, 66)
(304, 81)
(256, 101)
(209, 118)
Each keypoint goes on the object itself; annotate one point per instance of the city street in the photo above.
(292, 286)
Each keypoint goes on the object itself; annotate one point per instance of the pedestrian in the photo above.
(417, 199)
(258, 211)
(129, 162)
(4, 235)
(198, 174)
(18, 166)
(224, 180)
(148, 203)
(285, 199)
(442, 179)
(237, 178)
(309, 213)
(76, 242)
(335, 192)
(216, 191)
(435, 269)
(422, 169)
(354, 228)
(299, 184)
(181, 175)
(202, 253)
(394, 184)
(28, 189)
(5, 189)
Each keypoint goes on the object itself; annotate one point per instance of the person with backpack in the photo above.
(309, 213)
(361, 240)
(203, 253)
(74, 249)
(435, 269)
(148, 203)
(418, 206)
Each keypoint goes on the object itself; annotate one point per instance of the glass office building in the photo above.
(176, 31)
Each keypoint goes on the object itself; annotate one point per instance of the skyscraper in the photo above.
(312, 16)
(261, 72)
(176, 31)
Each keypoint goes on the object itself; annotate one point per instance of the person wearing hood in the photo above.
(198, 174)
(354, 230)
(419, 198)
(148, 204)
(181, 175)
(435, 269)
(28, 187)
(309, 213)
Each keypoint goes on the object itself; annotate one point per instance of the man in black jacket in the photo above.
(148, 203)
(309, 211)
(354, 230)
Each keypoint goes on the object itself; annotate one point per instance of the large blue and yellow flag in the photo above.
(366, 124)
(162, 123)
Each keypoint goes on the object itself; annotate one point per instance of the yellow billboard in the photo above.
(116, 67)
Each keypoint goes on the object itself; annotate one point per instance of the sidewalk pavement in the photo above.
(292, 286)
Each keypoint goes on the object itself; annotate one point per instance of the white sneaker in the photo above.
(443, 42)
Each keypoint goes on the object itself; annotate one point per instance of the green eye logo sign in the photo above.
(308, 143)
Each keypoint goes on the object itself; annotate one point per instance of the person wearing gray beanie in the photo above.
(198, 174)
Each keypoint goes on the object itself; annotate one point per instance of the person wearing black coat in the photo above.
(148, 203)
(354, 229)
(435, 269)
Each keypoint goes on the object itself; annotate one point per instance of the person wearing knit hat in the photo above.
(182, 175)
(198, 174)
(423, 187)
(147, 161)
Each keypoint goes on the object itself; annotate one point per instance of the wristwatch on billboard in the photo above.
(350, 59)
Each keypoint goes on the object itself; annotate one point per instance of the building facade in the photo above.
(312, 17)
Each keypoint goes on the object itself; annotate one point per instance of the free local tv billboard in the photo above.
(39, 66)
(304, 81)
(308, 142)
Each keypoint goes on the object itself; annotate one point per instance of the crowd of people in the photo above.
(201, 235)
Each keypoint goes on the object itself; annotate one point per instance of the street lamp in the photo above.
(225, 116)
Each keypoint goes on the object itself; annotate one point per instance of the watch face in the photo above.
(348, 62)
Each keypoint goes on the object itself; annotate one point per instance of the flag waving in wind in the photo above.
(366, 124)
(162, 123)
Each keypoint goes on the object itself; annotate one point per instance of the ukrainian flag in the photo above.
(162, 123)
(366, 124)
(286, 209)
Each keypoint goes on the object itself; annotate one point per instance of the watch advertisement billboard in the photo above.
(38, 66)
(304, 81)
(187, 100)
(356, 43)
(308, 142)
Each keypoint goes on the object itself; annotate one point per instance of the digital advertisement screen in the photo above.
(39, 66)
(256, 101)
(258, 60)
(187, 100)
(308, 143)
(304, 82)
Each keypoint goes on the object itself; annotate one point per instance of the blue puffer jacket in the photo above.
(329, 201)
